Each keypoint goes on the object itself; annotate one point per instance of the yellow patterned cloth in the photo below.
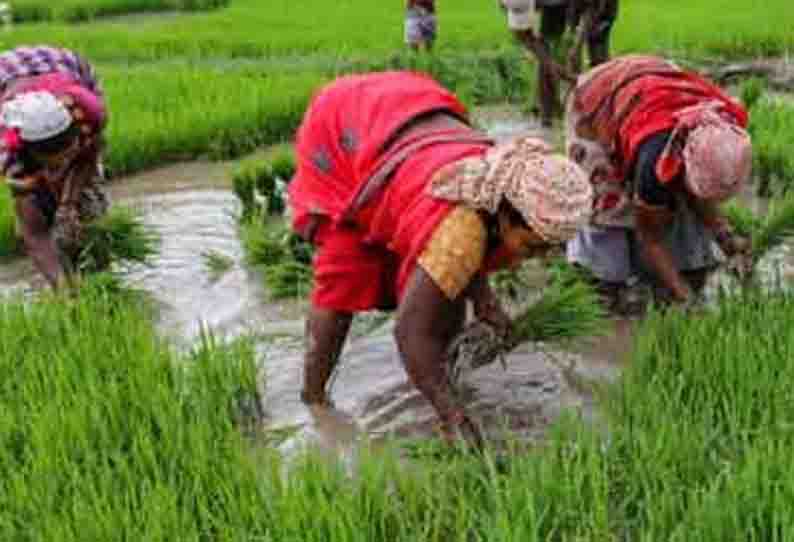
(456, 251)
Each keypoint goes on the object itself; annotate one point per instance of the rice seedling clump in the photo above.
(268, 241)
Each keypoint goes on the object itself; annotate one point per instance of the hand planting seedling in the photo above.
(765, 233)
(567, 309)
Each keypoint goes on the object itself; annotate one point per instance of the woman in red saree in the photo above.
(409, 208)
(663, 148)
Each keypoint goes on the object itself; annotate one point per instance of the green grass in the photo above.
(107, 434)
(356, 28)
(699, 447)
(216, 263)
(83, 10)
(8, 238)
(772, 130)
(200, 111)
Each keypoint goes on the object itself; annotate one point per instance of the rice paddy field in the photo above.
(110, 431)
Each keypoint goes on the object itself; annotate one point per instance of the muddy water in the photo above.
(194, 211)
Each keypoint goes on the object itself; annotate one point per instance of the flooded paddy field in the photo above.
(184, 422)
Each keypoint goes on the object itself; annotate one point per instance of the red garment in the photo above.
(429, 5)
(631, 98)
(365, 262)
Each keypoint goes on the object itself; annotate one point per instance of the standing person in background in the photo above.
(663, 147)
(540, 26)
(52, 115)
(420, 24)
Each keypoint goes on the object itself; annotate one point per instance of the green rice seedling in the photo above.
(776, 227)
(103, 421)
(246, 182)
(772, 130)
(84, 10)
(751, 91)
(357, 29)
(107, 433)
(568, 309)
(260, 184)
(288, 279)
(264, 243)
(189, 115)
(283, 165)
(9, 244)
(216, 263)
(120, 238)
(699, 422)
(284, 257)
(766, 233)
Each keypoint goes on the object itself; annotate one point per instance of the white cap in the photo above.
(37, 115)
(521, 14)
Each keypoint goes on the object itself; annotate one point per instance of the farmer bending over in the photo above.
(51, 118)
(409, 208)
(663, 148)
(420, 24)
(547, 41)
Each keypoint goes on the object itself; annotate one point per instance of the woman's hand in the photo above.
(488, 308)
(490, 311)
(459, 428)
(738, 250)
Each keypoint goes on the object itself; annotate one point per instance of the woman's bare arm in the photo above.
(326, 331)
(38, 241)
(426, 323)
(651, 223)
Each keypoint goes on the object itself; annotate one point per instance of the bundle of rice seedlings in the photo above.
(775, 228)
(766, 232)
(216, 263)
(288, 279)
(264, 243)
(285, 257)
(568, 308)
(120, 238)
(260, 184)
(283, 165)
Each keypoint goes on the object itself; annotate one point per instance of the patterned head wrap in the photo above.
(550, 192)
(36, 116)
(718, 160)
(715, 151)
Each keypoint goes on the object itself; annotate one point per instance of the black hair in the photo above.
(56, 143)
(32, 149)
(515, 217)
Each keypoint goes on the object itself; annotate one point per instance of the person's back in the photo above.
(346, 128)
